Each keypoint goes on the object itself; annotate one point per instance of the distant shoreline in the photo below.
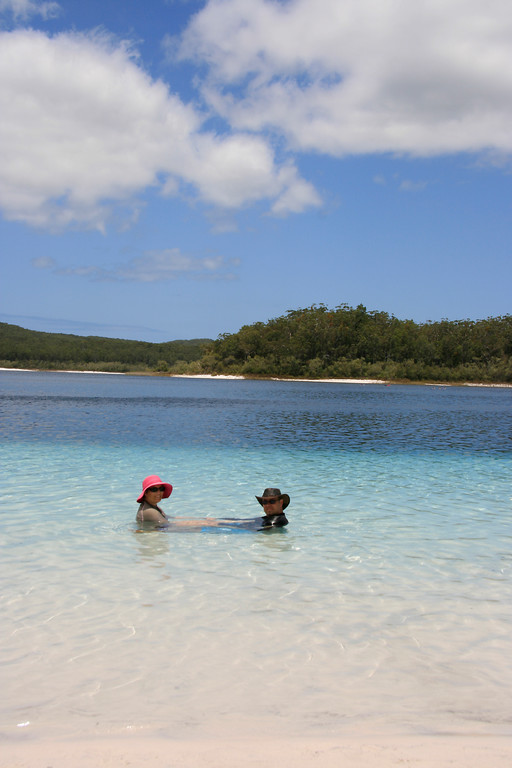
(47, 370)
(227, 377)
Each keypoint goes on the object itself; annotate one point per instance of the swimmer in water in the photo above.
(153, 491)
(274, 503)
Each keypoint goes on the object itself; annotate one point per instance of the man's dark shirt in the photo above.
(275, 521)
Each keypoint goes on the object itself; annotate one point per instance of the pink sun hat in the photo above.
(151, 480)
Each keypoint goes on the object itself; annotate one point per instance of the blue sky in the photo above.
(175, 169)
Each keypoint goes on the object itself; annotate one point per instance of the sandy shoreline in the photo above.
(444, 751)
(41, 370)
(225, 377)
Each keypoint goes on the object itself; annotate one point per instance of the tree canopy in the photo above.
(318, 342)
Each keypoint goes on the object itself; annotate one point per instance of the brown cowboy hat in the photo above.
(273, 493)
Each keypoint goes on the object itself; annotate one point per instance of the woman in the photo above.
(153, 491)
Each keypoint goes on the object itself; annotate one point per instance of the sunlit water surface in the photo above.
(384, 605)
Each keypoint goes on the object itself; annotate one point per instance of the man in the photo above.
(274, 503)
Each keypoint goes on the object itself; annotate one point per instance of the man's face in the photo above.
(272, 505)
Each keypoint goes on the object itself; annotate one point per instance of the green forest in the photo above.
(314, 342)
(21, 348)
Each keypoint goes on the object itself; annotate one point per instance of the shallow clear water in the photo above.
(385, 604)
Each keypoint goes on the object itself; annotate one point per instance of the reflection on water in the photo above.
(151, 545)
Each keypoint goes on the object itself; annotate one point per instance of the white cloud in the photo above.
(412, 186)
(24, 9)
(85, 130)
(171, 264)
(151, 267)
(356, 76)
(298, 194)
(239, 170)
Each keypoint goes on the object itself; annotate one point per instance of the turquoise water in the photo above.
(384, 605)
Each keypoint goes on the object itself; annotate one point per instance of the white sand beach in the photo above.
(443, 751)
(339, 381)
(274, 378)
(202, 376)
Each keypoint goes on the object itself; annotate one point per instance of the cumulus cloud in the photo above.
(420, 78)
(151, 267)
(85, 129)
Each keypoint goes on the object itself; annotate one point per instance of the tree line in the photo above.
(314, 342)
(347, 342)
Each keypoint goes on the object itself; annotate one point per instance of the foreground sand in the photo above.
(382, 752)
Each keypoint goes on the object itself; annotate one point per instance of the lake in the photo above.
(385, 604)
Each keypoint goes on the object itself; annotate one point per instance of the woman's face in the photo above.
(154, 494)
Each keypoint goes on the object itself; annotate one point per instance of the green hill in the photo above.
(21, 348)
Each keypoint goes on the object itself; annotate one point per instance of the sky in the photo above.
(176, 169)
